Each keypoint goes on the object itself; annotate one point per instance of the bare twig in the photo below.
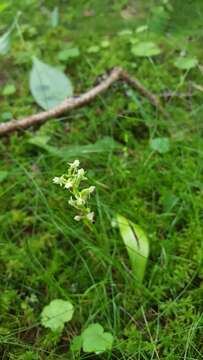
(78, 101)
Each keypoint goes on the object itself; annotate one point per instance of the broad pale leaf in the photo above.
(161, 145)
(186, 63)
(55, 314)
(95, 340)
(48, 85)
(137, 245)
(55, 17)
(145, 48)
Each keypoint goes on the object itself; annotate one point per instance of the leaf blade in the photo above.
(94, 339)
(48, 85)
(137, 245)
(56, 313)
(5, 41)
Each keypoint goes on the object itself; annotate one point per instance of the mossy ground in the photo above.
(44, 253)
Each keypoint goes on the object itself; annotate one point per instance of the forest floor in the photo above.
(145, 166)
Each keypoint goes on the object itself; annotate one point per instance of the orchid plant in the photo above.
(78, 197)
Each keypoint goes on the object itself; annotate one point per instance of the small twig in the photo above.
(173, 94)
(81, 100)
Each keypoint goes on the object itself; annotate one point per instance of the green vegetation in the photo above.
(145, 167)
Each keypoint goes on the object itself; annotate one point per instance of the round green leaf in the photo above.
(48, 85)
(55, 314)
(186, 63)
(161, 145)
(94, 339)
(145, 48)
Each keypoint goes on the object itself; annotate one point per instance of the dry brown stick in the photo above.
(75, 102)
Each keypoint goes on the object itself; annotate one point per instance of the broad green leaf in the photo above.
(186, 63)
(3, 175)
(48, 85)
(67, 54)
(137, 245)
(55, 314)
(145, 48)
(5, 41)
(95, 340)
(55, 17)
(161, 145)
(106, 144)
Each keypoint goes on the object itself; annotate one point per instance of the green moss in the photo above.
(44, 253)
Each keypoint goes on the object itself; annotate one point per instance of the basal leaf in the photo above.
(137, 245)
(48, 85)
(55, 314)
(95, 340)
(106, 144)
(145, 48)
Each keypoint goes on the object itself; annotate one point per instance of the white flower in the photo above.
(90, 216)
(79, 201)
(75, 164)
(77, 217)
(68, 185)
(58, 180)
(85, 193)
(71, 201)
(81, 172)
(91, 189)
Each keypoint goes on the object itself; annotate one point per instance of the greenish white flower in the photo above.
(58, 180)
(75, 164)
(90, 216)
(77, 218)
(79, 201)
(68, 185)
(79, 197)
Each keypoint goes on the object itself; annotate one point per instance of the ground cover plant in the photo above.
(70, 289)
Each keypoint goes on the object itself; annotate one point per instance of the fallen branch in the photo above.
(78, 101)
